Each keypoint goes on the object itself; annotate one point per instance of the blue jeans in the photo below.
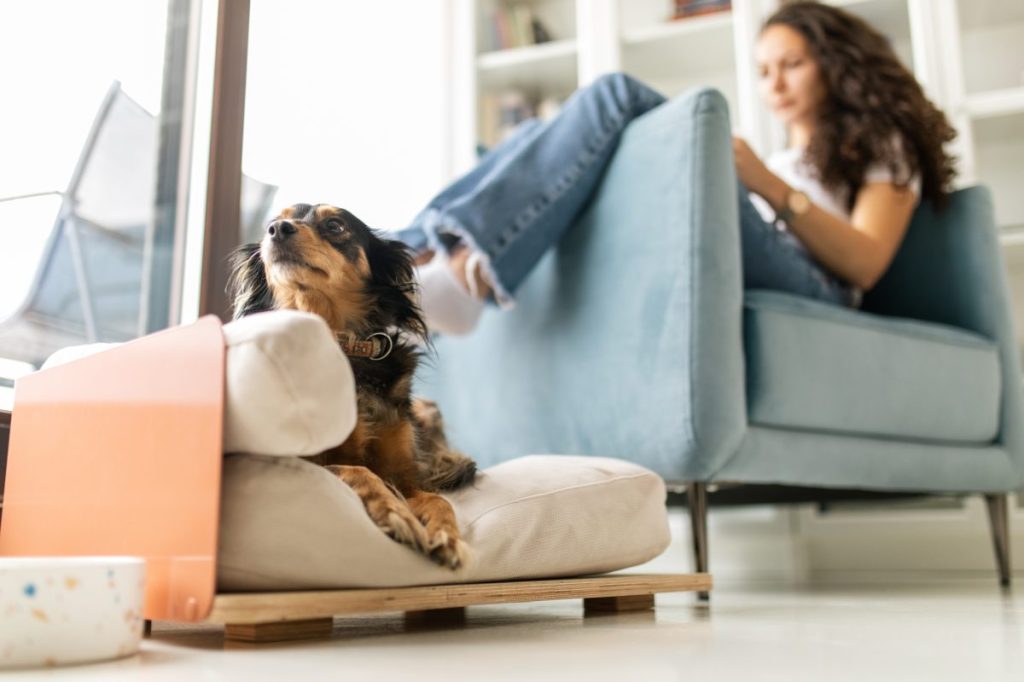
(524, 194)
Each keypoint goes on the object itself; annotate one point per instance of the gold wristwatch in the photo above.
(796, 204)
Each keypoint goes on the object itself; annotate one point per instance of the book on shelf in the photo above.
(501, 113)
(685, 9)
(516, 26)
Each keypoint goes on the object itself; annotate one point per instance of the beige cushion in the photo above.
(289, 524)
(289, 388)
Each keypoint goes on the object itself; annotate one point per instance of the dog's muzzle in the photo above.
(280, 230)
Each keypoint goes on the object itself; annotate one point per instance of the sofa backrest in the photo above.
(950, 269)
(948, 264)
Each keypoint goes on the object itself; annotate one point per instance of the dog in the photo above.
(324, 260)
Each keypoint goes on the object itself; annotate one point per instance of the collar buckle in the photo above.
(388, 344)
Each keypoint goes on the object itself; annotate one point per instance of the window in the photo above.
(92, 139)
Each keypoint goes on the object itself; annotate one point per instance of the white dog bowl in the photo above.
(59, 610)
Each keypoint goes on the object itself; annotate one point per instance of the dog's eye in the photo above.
(334, 225)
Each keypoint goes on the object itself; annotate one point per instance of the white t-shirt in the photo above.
(788, 165)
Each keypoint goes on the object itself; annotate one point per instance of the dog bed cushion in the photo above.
(289, 524)
(289, 388)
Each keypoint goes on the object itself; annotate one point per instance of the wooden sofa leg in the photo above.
(697, 498)
(998, 519)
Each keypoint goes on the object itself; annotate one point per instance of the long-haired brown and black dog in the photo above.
(324, 260)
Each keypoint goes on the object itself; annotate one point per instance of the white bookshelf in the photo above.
(893, 17)
(542, 58)
(999, 163)
(992, 44)
(986, 99)
(673, 56)
(968, 54)
(548, 67)
(674, 31)
(1004, 102)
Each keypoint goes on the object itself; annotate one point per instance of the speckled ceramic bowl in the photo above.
(60, 610)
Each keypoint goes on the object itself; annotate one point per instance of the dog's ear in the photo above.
(247, 288)
(394, 284)
(391, 262)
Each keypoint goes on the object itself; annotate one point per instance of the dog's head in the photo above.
(324, 260)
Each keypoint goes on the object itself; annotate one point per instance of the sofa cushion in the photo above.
(289, 524)
(289, 389)
(812, 365)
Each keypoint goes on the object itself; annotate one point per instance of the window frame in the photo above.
(224, 174)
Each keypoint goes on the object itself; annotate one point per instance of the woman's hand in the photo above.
(755, 175)
(749, 168)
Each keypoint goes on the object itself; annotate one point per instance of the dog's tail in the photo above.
(446, 470)
(440, 467)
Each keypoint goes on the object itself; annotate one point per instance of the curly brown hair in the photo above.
(874, 111)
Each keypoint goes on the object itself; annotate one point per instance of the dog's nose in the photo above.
(280, 230)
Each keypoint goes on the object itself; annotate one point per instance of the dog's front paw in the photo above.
(403, 527)
(385, 507)
(450, 552)
(445, 546)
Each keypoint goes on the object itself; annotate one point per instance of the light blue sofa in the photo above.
(635, 339)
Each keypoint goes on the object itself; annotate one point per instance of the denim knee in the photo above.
(628, 93)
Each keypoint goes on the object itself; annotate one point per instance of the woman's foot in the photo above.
(465, 265)
(423, 257)
(447, 286)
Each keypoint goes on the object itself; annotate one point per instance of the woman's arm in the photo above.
(858, 251)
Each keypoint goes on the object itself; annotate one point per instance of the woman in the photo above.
(824, 218)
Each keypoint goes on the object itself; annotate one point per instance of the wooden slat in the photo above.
(262, 607)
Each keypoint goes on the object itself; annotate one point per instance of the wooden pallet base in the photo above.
(435, 617)
(280, 631)
(279, 616)
(635, 602)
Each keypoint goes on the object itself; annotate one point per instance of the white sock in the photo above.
(447, 307)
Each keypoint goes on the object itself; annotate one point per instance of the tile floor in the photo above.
(903, 628)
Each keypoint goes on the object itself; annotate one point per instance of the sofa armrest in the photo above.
(626, 339)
